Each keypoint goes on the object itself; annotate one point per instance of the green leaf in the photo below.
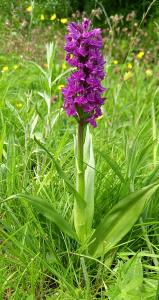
(129, 281)
(62, 75)
(49, 212)
(119, 221)
(63, 175)
(50, 53)
(83, 217)
(15, 113)
(11, 164)
(46, 97)
(89, 179)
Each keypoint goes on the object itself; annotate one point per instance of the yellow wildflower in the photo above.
(42, 18)
(99, 118)
(5, 69)
(115, 62)
(129, 65)
(15, 67)
(149, 72)
(19, 105)
(46, 65)
(53, 17)
(64, 67)
(29, 8)
(128, 75)
(60, 87)
(140, 55)
(64, 20)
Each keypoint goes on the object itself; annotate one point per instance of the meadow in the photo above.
(39, 258)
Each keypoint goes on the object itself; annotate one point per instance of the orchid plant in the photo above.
(83, 100)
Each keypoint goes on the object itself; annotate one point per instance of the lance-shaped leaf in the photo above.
(49, 212)
(63, 175)
(120, 220)
(89, 178)
(83, 217)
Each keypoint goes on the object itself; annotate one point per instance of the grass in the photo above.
(37, 260)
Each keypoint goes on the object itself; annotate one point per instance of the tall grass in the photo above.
(38, 261)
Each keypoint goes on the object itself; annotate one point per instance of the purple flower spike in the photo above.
(82, 95)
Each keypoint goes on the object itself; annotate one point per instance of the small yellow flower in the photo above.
(29, 8)
(64, 67)
(71, 56)
(42, 18)
(115, 62)
(140, 55)
(129, 65)
(99, 118)
(63, 20)
(53, 17)
(15, 67)
(46, 65)
(149, 72)
(19, 105)
(128, 75)
(5, 69)
(60, 87)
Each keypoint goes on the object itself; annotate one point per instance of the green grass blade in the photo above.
(11, 165)
(129, 280)
(157, 293)
(62, 75)
(2, 137)
(119, 221)
(49, 212)
(63, 175)
(40, 69)
(154, 135)
(15, 114)
(154, 175)
(113, 165)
